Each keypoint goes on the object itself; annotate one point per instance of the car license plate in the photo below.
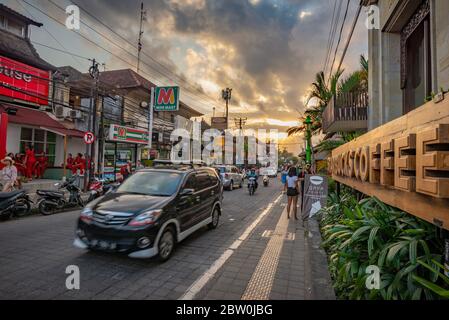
(102, 244)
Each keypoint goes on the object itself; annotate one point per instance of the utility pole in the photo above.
(143, 17)
(226, 95)
(240, 122)
(90, 149)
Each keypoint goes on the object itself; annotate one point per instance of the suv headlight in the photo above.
(86, 215)
(146, 218)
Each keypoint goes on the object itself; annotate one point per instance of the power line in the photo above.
(62, 51)
(354, 24)
(163, 66)
(186, 85)
(46, 30)
(331, 29)
(339, 38)
(188, 93)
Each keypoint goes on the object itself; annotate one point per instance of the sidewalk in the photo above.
(277, 261)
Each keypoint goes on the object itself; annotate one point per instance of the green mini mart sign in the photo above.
(166, 99)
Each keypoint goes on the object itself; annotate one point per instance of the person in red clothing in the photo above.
(79, 163)
(30, 161)
(69, 162)
(43, 164)
(126, 170)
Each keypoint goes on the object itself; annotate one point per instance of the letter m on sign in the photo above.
(166, 96)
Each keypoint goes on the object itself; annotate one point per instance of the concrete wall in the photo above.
(442, 43)
(386, 98)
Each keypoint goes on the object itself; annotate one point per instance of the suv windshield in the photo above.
(151, 183)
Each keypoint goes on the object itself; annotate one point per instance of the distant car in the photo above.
(230, 176)
(271, 172)
(151, 211)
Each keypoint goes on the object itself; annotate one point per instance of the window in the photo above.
(43, 141)
(191, 182)
(416, 59)
(202, 180)
(12, 26)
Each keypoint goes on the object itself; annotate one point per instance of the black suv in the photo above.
(151, 211)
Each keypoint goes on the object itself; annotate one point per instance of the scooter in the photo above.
(100, 187)
(15, 203)
(251, 185)
(52, 200)
(266, 180)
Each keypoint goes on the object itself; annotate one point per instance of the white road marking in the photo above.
(196, 287)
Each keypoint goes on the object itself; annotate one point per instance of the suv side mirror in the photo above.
(186, 192)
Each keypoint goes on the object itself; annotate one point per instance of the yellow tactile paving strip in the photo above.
(261, 282)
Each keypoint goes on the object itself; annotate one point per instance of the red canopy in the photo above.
(37, 118)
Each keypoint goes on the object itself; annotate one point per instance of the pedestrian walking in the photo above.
(284, 174)
(8, 174)
(292, 188)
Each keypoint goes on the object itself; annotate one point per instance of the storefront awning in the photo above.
(41, 119)
(65, 132)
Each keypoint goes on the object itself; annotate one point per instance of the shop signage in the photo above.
(23, 82)
(314, 195)
(126, 134)
(404, 163)
(166, 99)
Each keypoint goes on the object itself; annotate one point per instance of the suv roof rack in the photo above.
(179, 166)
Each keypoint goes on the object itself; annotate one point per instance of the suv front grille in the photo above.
(111, 218)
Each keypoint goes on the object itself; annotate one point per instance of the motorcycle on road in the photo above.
(251, 185)
(266, 180)
(51, 201)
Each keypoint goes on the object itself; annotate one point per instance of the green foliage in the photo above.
(359, 234)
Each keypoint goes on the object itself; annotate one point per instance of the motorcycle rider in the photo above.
(253, 174)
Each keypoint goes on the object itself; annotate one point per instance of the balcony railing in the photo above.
(346, 112)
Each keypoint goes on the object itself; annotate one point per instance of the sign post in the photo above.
(150, 123)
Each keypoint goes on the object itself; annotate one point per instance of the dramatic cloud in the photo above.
(268, 51)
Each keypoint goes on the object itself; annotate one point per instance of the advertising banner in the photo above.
(126, 134)
(23, 82)
(314, 195)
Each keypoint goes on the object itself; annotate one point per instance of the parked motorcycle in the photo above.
(266, 180)
(52, 200)
(99, 187)
(15, 203)
(251, 185)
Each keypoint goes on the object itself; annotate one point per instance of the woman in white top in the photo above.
(292, 188)
(8, 174)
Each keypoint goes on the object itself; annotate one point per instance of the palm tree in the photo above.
(323, 93)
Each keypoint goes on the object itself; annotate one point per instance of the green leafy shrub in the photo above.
(360, 234)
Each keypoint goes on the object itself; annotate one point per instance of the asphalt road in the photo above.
(35, 252)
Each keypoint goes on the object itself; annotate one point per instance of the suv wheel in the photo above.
(166, 244)
(215, 218)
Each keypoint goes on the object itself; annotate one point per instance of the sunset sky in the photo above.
(268, 51)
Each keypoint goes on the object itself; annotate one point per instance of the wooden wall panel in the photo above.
(405, 163)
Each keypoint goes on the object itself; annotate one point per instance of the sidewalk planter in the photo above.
(369, 233)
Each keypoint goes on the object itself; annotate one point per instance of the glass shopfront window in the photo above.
(42, 140)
